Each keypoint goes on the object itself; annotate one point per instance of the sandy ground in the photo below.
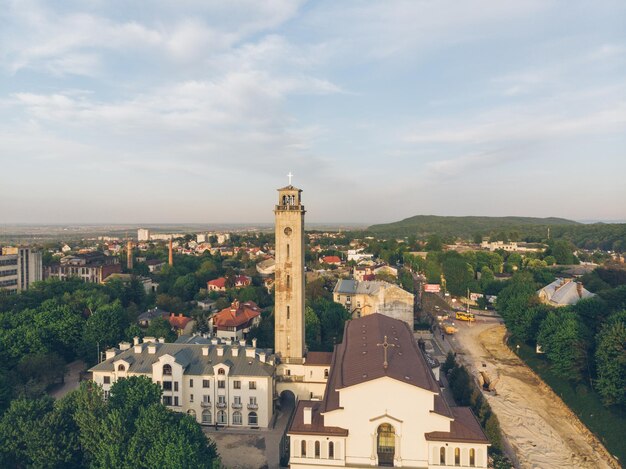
(542, 431)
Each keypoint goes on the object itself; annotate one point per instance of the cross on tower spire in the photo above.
(385, 345)
(290, 176)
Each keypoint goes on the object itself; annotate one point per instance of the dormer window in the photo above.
(121, 368)
(221, 371)
(167, 369)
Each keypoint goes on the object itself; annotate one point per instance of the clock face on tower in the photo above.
(287, 231)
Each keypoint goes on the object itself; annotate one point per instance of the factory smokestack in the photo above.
(171, 257)
(129, 255)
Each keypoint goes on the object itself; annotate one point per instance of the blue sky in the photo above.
(195, 111)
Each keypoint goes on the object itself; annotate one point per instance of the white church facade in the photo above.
(383, 407)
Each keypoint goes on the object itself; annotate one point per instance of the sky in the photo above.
(195, 111)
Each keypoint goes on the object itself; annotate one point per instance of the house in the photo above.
(219, 284)
(331, 260)
(358, 255)
(206, 305)
(242, 281)
(216, 383)
(155, 265)
(563, 292)
(266, 267)
(369, 297)
(181, 324)
(383, 407)
(145, 318)
(386, 269)
(363, 272)
(235, 321)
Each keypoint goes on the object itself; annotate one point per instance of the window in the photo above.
(175, 385)
(167, 385)
(253, 401)
(326, 373)
(457, 456)
(472, 457)
(331, 450)
(191, 383)
(221, 371)
(237, 384)
(167, 400)
(237, 420)
(221, 399)
(192, 413)
(287, 250)
(317, 449)
(191, 398)
(288, 311)
(206, 417)
(221, 417)
(442, 455)
(106, 395)
(253, 419)
(252, 385)
(221, 384)
(303, 448)
(288, 281)
(167, 370)
(237, 400)
(121, 368)
(107, 380)
(206, 383)
(176, 401)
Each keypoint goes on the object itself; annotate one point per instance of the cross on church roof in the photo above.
(385, 345)
(290, 176)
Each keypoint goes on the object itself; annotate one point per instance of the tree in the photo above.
(133, 393)
(562, 252)
(313, 329)
(104, 327)
(434, 243)
(611, 362)
(560, 338)
(160, 327)
(458, 275)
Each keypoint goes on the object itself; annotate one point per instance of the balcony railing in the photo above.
(236, 405)
(205, 404)
(221, 405)
(289, 207)
(253, 406)
(290, 378)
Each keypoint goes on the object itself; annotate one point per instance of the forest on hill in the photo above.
(606, 236)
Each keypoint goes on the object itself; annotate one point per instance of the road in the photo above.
(71, 380)
(541, 430)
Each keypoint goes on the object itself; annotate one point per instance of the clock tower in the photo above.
(289, 276)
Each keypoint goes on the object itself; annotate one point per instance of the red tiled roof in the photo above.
(331, 260)
(179, 322)
(242, 280)
(318, 358)
(218, 282)
(316, 427)
(464, 428)
(237, 314)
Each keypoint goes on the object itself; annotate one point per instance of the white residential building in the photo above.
(19, 268)
(225, 383)
(143, 234)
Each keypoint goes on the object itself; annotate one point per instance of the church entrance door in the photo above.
(386, 445)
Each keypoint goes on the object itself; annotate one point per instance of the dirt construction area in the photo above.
(541, 430)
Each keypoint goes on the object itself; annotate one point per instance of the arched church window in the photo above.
(317, 449)
(442, 455)
(331, 450)
(457, 456)
(472, 457)
(303, 448)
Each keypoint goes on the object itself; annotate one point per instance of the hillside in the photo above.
(424, 225)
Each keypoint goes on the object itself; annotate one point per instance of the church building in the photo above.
(383, 407)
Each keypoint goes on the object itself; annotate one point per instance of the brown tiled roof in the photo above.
(318, 358)
(360, 358)
(317, 422)
(465, 428)
(236, 314)
(442, 407)
(218, 282)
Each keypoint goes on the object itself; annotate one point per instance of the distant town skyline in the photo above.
(195, 112)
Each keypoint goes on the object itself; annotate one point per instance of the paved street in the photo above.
(251, 449)
(71, 381)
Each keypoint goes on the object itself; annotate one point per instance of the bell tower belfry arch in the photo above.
(289, 275)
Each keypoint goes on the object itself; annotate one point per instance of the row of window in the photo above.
(8, 283)
(457, 456)
(206, 399)
(206, 383)
(221, 417)
(7, 273)
(317, 447)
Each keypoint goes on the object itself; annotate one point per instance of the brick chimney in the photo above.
(171, 253)
(129, 255)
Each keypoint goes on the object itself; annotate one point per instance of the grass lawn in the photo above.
(607, 423)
